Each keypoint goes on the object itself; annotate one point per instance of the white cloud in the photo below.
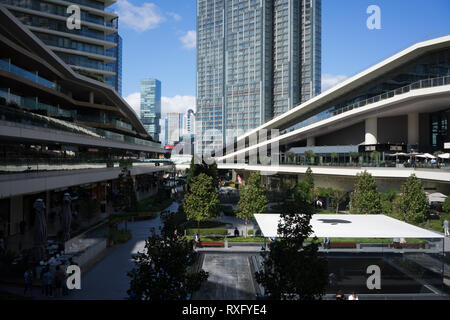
(330, 80)
(174, 15)
(177, 104)
(134, 100)
(189, 40)
(140, 18)
(168, 104)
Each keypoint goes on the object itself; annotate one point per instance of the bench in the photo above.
(343, 245)
(419, 245)
(211, 244)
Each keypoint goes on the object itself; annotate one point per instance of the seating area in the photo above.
(211, 243)
(342, 245)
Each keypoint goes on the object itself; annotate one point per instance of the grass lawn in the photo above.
(328, 211)
(230, 239)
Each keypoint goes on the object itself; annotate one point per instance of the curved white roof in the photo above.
(351, 226)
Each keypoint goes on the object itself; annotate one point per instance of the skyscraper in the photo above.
(91, 50)
(256, 59)
(174, 127)
(151, 106)
(189, 122)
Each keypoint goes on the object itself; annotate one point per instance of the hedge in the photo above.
(207, 232)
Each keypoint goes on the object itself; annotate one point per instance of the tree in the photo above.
(412, 203)
(202, 200)
(252, 199)
(446, 205)
(339, 196)
(334, 156)
(354, 156)
(309, 155)
(195, 169)
(165, 270)
(293, 270)
(126, 199)
(309, 178)
(365, 197)
(290, 156)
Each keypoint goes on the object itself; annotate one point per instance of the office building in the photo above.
(61, 132)
(151, 106)
(94, 50)
(174, 127)
(391, 120)
(255, 60)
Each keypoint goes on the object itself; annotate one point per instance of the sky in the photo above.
(159, 41)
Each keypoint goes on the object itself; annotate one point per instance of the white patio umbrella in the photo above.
(426, 156)
(444, 156)
(436, 197)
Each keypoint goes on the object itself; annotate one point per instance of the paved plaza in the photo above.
(230, 277)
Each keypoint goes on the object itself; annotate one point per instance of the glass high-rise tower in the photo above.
(151, 106)
(256, 59)
(93, 50)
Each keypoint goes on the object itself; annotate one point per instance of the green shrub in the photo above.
(250, 232)
(446, 205)
(227, 210)
(207, 232)
(119, 236)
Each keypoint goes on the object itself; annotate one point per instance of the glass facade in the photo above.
(429, 70)
(151, 106)
(101, 27)
(253, 60)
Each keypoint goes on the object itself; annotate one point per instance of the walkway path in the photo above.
(108, 279)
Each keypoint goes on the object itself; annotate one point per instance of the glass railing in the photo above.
(24, 117)
(345, 160)
(331, 112)
(33, 76)
(24, 165)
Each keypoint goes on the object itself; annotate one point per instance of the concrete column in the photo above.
(310, 141)
(16, 214)
(91, 97)
(413, 129)
(371, 131)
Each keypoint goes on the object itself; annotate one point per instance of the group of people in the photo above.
(53, 281)
(341, 296)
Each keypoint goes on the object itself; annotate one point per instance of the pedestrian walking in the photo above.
(59, 281)
(446, 228)
(236, 232)
(28, 277)
(48, 282)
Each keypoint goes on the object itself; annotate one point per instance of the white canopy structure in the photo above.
(350, 226)
(436, 197)
(426, 156)
(444, 156)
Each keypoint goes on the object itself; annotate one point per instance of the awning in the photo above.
(436, 197)
(351, 226)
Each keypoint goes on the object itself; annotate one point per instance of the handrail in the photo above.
(332, 111)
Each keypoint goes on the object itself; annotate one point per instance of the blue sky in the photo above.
(159, 41)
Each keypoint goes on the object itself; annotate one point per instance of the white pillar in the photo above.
(310, 141)
(413, 129)
(371, 131)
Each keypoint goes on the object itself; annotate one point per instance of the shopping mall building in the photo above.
(61, 132)
(391, 120)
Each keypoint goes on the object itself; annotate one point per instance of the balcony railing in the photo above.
(28, 165)
(28, 118)
(33, 76)
(331, 112)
